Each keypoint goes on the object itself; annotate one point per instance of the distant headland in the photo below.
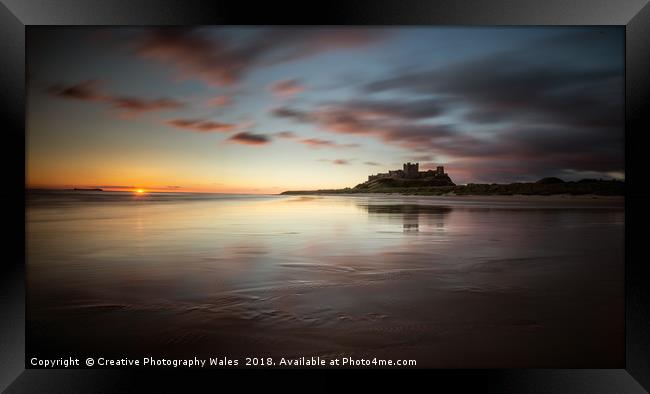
(410, 180)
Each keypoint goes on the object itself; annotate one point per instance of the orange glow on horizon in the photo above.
(156, 183)
(187, 189)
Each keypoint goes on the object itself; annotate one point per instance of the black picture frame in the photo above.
(17, 15)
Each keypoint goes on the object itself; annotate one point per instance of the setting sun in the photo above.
(139, 191)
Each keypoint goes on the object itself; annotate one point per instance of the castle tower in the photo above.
(411, 170)
(440, 170)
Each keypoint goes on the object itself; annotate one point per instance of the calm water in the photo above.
(450, 282)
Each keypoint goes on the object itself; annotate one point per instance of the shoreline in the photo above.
(543, 187)
(468, 196)
(571, 200)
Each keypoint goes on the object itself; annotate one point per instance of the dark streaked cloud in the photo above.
(409, 109)
(397, 108)
(371, 163)
(133, 106)
(86, 90)
(286, 88)
(248, 138)
(420, 158)
(219, 60)
(127, 105)
(193, 53)
(337, 161)
(295, 114)
(547, 109)
(524, 93)
(319, 143)
(201, 125)
(287, 134)
(220, 101)
(345, 118)
(539, 83)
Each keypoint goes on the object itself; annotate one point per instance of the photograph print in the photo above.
(325, 196)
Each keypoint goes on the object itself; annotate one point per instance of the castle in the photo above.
(410, 171)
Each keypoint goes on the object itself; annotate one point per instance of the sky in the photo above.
(267, 109)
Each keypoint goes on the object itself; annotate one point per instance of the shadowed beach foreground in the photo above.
(447, 281)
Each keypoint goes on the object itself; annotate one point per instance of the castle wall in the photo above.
(409, 170)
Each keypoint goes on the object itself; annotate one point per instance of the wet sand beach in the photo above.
(451, 281)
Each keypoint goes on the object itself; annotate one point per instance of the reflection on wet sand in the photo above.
(482, 284)
(409, 215)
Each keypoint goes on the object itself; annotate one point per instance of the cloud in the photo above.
(551, 107)
(372, 109)
(193, 53)
(412, 109)
(504, 155)
(248, 138)
(371, 163)
(132, 106)
(287, 88)
(286, 112)
(315, 142)
(201, 125)
(287, 134)
(420, 158)
(128, 105)
(219, 101)
(217, 58)
(346, 118)
(337, 161)
(557, 80)
(86, 90)
(318, 143)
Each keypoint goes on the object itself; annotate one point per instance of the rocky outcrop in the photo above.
(397, 182)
